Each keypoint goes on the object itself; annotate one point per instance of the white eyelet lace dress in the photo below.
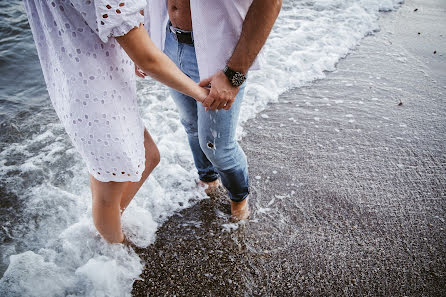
(91, 80)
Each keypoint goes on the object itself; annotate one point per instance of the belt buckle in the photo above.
(175, 32)
(179, 35)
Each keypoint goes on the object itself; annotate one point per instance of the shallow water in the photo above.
(348, 190)
(47, 234)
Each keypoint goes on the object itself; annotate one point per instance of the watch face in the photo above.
(238, 79)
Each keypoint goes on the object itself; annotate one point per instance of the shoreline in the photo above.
(348, 194)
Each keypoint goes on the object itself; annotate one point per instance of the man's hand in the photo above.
(222, 94)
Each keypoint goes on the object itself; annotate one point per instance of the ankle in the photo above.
(129, 243)
(210, 187)
(115, 239)
(240, 210)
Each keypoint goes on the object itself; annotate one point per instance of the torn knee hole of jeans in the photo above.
(211, 145)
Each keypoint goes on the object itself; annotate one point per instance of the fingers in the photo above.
(205, 82)
(216, 104)
(208, 101)
(139, 72)
(222, 105)
(213, 104)
(228, 105)
(222, 93)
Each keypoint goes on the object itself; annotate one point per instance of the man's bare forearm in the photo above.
(257, 25)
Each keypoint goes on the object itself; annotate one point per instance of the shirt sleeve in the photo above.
(117, 17)
(111, 18)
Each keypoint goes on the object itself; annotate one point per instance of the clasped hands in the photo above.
(221, 92)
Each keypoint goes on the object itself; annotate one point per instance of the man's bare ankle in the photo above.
(240, 210)
(210, 186)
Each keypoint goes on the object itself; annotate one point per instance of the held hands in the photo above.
(202, 94)
(222, 93)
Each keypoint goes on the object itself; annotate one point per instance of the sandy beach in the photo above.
(348, 182)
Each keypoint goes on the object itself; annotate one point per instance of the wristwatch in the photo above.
(235, 78)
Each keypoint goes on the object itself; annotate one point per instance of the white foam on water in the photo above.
(229, 227)
(53, 247)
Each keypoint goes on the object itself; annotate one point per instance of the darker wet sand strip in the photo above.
(348, 184)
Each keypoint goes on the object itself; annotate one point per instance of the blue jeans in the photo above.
(211, 134)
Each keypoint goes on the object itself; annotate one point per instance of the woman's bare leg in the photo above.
(152, 160)
(106, 210)
(110, 198)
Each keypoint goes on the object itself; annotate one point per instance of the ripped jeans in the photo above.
(211, 134)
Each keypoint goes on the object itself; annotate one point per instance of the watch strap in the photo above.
(234, 77)
(229, 72)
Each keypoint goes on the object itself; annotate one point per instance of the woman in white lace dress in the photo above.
(86, 50)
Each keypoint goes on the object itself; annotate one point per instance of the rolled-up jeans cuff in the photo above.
(209, 179)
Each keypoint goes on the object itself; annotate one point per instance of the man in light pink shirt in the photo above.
(217, 42)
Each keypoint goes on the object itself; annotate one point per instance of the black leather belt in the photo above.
(182, 36)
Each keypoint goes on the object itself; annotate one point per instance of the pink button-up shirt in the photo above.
(217, 25)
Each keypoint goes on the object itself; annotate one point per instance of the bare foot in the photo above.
(240, 210)
(210, 186)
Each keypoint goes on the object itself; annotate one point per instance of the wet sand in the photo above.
(348, 182)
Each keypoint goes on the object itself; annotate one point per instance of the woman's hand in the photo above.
(139, 72)
(202, 94)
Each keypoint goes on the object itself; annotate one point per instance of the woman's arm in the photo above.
(155, 63)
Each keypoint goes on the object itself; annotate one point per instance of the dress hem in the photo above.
(104, 179)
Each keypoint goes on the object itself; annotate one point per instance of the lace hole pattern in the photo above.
(91, 84)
